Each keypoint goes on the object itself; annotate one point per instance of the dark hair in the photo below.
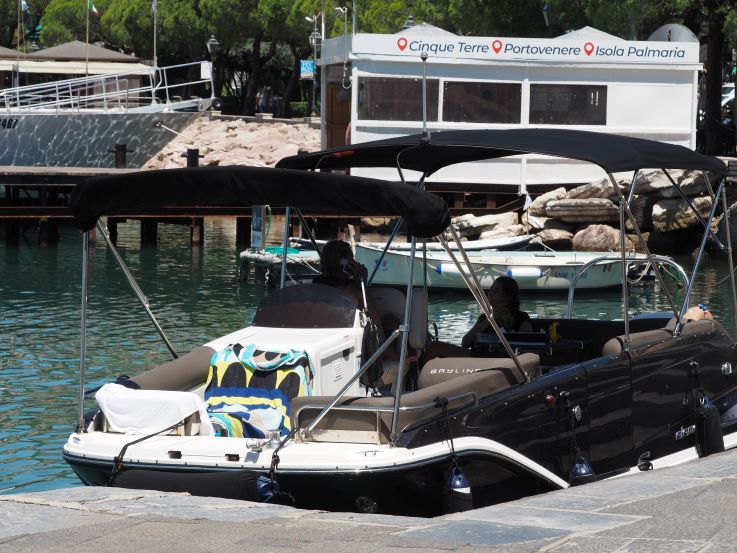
(330, 256)
(511, 289)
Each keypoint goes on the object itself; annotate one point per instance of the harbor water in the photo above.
(196, 296)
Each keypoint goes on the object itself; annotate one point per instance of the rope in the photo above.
(118, 461)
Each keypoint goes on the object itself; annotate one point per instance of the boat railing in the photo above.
(170, 86)
(630, 261)
(309, 432)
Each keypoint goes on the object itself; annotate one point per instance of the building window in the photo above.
(392, 99)
(467, 102)
(560, 104)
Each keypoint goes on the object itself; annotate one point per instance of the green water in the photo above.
(196, 296)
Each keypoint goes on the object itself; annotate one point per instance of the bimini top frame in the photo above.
(430, 152)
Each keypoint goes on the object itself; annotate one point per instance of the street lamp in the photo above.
(315, 38)
(213, 47)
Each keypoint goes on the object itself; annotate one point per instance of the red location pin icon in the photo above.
(402, 43)
(588, 48)
(497, 46)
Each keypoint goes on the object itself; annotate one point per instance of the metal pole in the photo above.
(729, 253)
(697, 263)
(155, 9)
(622, 236)
(423, 57)
(354, 17)
(403, 351)
(285, 248)
(136, 289)
(83, 329)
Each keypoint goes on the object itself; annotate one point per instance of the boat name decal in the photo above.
(685, 432)
(9, 123)
(453, 371)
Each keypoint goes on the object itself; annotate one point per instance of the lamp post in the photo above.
(315, 39)
(213, 47)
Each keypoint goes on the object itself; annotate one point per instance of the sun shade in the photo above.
(613, 153)
(135, 193)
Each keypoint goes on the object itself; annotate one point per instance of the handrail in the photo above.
(597, 260)
(100, 92)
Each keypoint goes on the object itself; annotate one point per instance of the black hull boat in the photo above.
(290, 410)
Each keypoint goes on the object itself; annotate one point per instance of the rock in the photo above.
(722, 228)
(535, 222)
(492, 220)
(537, 207)
(674, 214)
(503, 232)
(642, 209)
(556, 238)
(599, 238)
(655, 182)
(598, 189)
(237, 141)
(577, 211)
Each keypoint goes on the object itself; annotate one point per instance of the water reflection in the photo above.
(195, 295)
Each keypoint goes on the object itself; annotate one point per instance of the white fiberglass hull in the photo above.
(86, 139)
(532, 270)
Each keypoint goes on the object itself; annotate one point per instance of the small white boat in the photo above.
(533, 270)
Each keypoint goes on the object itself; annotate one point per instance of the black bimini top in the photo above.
(135, 193)
(613, 153)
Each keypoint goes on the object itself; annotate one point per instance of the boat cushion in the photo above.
(149, 411)
(615, 346)
(444, 368)
(249, 391)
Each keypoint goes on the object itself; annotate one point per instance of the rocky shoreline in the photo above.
(584, 218)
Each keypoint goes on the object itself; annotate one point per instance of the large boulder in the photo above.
(599, 238)
(598, 189)
(655, 182)
(592, 210)
(537, 207)
(474, 226)
(557, 239)
(674, 214)
(503, 232)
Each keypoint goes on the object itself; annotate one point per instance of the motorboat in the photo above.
(544, 270)
(80, 122)
(302, 259)
(305, 406)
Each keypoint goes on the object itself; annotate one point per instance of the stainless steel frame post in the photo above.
(83, 328)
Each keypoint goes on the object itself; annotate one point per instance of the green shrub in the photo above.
(301, 109)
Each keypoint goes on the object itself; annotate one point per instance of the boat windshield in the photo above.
(306, 306)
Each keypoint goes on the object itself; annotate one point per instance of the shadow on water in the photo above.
(195, 294)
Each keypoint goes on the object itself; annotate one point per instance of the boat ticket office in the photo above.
(371, 88)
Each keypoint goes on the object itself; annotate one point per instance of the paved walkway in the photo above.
(692, 507)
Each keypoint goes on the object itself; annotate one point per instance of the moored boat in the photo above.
(78, 122)
(297, 398)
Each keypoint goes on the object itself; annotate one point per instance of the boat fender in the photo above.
(581, 471)
(447, 269)
(524, 272)
(457, 494)
(709, 437)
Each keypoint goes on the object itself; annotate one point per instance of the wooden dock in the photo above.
(40, 196)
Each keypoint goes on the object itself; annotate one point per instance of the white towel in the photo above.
(148, 411)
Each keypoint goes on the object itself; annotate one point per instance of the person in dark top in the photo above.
(339, 269)
(504, 299)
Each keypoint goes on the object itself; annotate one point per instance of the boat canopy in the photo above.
(613, 153)
(234, 186)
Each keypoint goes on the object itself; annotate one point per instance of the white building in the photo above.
(586, 80)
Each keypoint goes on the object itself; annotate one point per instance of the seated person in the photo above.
(504, 299)
(338, 268)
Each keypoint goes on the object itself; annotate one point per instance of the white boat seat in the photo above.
(390, 301)
(150, 411)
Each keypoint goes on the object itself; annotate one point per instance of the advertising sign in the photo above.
(306, 70)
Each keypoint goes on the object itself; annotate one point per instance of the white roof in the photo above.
(425, 29)
(673, 32)
(589, 33)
